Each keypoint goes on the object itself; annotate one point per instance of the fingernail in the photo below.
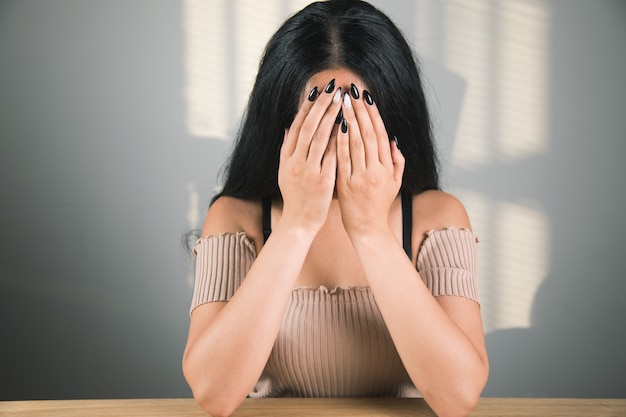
(354, 91)
(330, 87)
(346, 101)
(368, 97)
(313, 94)
(344, 126)
(395, 139)
(339, 117)
(337, 97)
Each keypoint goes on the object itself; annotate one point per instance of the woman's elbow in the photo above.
(216, 401)
(216, 406)
(212, 397)
(454, 402)
(456, 407)
(462, 400)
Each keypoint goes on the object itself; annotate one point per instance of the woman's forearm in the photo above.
(227, 357)
(446, 367)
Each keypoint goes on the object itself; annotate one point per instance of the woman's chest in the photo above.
(332, 262)
(335, 342)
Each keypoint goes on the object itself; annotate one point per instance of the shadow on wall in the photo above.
(572, 349)
(61, 348)
(576, 343)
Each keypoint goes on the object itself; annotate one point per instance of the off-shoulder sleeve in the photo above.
(447, 262)
(222, 262)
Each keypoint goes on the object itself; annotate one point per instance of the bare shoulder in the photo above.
(436, 209)
(232, 215)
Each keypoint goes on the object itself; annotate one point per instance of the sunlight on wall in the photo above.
(223, 43)
(224, 40)
(522, 78)
(500, 48)
(468, 49)
(513, 259)
(254, 22)
(206, 66)
(521, 260)
(501, 51)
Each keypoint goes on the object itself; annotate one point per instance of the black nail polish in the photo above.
(339, 117)
(344, 126)
(313, 94)
(354, 91)
(368, 97)
(331, 86)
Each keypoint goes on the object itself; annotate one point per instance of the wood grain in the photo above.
(300, 407)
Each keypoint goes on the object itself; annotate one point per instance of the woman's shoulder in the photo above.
(233, 215)
(435, 209)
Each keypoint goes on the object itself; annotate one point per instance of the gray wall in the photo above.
(102, 171)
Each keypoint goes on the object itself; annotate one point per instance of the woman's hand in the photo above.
(369, 167)
(308, 160)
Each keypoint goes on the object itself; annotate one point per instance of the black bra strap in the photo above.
(266, 216)
(407, 223)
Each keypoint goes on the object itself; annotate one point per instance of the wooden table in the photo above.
(282, 407)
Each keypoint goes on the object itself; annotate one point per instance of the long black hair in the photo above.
(332, 34)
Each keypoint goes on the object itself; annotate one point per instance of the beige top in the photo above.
(334, 342)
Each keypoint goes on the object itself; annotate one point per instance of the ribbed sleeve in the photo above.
(447, 262)
(222, 262)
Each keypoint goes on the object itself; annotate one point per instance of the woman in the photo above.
(331, 264)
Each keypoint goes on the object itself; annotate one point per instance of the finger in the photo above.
(287, 148)
(291, 133)
(398, 161)
(313, 118)
(366, 127)
(321, 138)
(344, 165)
(384, 154)
(352, 130)
(329, 162)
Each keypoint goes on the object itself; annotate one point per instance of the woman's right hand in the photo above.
(307, 171)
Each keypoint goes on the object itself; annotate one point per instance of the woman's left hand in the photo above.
(369, 167)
